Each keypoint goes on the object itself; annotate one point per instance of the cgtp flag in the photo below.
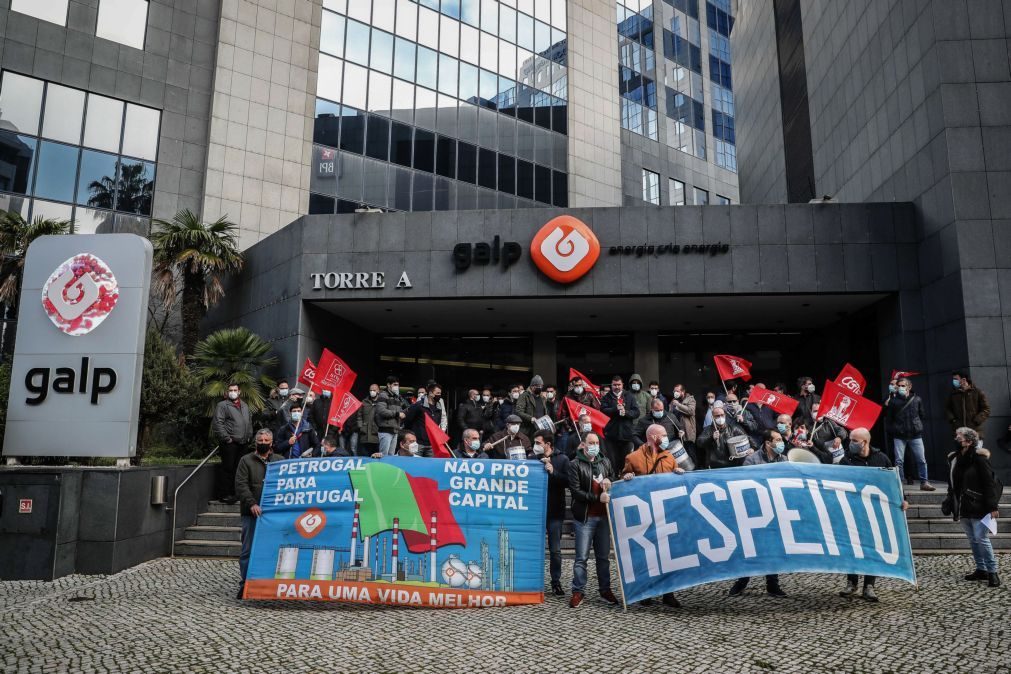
(595, 390)
(850, 379)
(308, 374)
(774, 401)
(847, 408)
(342, 406)
(333, 373)
(437, 438)
(597, 418)
(899, 374)
(732, 367)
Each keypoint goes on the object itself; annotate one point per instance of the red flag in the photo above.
(308, 374)
(342, 406)
(597, 418)
(333, 373)
(850, 379)
(777, 402)
(846, 408)
(899, 374)
(732, 367)
(432, 501)
(436, 438)
(595, 390)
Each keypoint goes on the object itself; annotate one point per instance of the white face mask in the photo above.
(578, 390)
(636, 387)
(233, 395)
(677, 394)
(719, 421)
(550, 395)
(538, 449)
(283, 392)
(413, 448)
(514, 428)
(395, 390)
(810, 388)
(515, 395)
(710, 400)
(485, 398)
(592, 450)
(587, 428)
(373, 394)
(654, 391)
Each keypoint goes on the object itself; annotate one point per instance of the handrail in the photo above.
(175, 497)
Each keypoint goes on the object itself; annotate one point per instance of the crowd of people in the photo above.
(646, 433)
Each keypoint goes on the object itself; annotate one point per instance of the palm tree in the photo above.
(238, 356)
(16, 234)
(190, 257)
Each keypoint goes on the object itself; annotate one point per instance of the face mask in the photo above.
(296, 416)
(957, 383)
(538, 449)
(373, 394)
(413, 448)
(664, 443)
(710, 400)
(779, 447)
(262, 447)
(514, 395)
(810, 388)
(592, 450)
(233, 395)
(536, 390)
(802, 436)
(436, 399)
(550, 395)
(903, 391)
(719, 421)
(654, 391)
(326, 393)
(732, 406)
(395, 390)
(657, 414)
(485, 399)
(587, 428)
(514, 429)
(855, 447)
(781, 428)
(891, 388)
(283, 392)
(677, 394)
(636, 387)
(578, 390)
(474, 444)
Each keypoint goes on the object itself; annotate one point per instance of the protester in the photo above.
(578, 393)
(297, 436)
(489, 413)
(589, 483)
(271, 414)
(828, 439)
(430, 405)
(557, 465)
(390, 413)
(707, 410)
(712, 447)
(508, 405)
(470, 445)
(368, 424)
(772, 450)
(470, 413)
(641, 395)
(683, 410)
(763, 415)
(805, 402)
(249, 476)
(407, 445)
(329, 447)
(531, 405)
(654, 392)
(497, 446)
(974, 493)
(295, 395)
(744, 418)
(967, 405)
(232, 427)
(861, 453)
(656, 415)
(906, 419)
(551, 401)
(583, 426)
(621, 408)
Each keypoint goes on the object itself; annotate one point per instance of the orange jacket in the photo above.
(644, 462)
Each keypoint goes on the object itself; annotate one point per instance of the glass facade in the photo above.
(73, 155)
(430, 105)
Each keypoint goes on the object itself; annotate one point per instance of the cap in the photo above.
(513, 419)
(537, 381)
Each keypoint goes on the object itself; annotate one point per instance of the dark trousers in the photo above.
(230, 453)
(854, 579)
(771, 580)
(555, 550)
(248, 528)
(617, 450)
(366, 448)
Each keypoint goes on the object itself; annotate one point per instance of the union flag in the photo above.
(732, 367)
(847, 408)
(850, 379)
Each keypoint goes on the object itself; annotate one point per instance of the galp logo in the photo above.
(565, 249)
(310, 523)
(80, 294)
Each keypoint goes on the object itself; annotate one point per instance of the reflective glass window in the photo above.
(722, 200)
(136, 186)
(382, 51)
(403, 101)
(445, 157)
(507, 135)
(91, 221)
(404, 57)
(466, 166)
(384, 14)
(489, 52)
(488, 88)
(379, 93)
(506, 174)
(451, 8)
(355, 88)
(96, 184)
(489, 16)
(344, 206)
(428, 66)
(650, 187)
(560, 188)
(448, 74)
(468, 83)
(377, 138)
(507, 59)
(54, 11)
(21, 103)
(328, 80)
(349, 177)
(449, 36)
(558, 14)
(701, 197)
(507, 23)
(326, 126)
(542, 184)
(524, 179)
(352, 130)
(140, 131)
(445, 194)
(49, 210)
(422, 194)
(323, 171)
(17, 162)
(57, 171)
(486, 165)
(320, 205)
(360, 9)
(356, 47)
(64, 114)
(401, 144)
(407, 19)
(542, 37)
(103, 123)
(399, 188)
(424, 113)
(470, 12)
(424, 150)
(374, 183)
(525, 32)
(487, 133)
(428, 27)
(677, 192)
(470, 44)
(466, 197)
(446, 116)
(468, 123)
(123, 21)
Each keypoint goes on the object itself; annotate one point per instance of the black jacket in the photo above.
(249, 476)
(619, 428)
(415, 420)
(716, 453)
(906, 417)
(489, 418)
(558, 482)
(308, 439)
(470, 414)
(967, 408)
(803, 413)
(646, 421)
(824, 438)
(876, 459)
(972, 486)
(318, 412)
(581, 473)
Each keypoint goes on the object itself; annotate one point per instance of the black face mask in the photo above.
(262, 448)
(436, 399)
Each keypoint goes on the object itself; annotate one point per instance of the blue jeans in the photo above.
(915, 444)
(555, 549)
(248, 527)
(979, 539)
(387, 444)
(594, 530)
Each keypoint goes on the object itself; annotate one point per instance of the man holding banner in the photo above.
(590, 483)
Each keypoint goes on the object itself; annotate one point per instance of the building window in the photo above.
(123, 21)
(651, 187)
(54, 11)
(722, 200)
(677, 192)
(701, 197)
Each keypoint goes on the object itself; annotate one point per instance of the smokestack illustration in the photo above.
(365, 552)
(354, 536)
(396, 542)
(434, 523)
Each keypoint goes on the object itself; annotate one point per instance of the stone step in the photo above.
(198, 548)
(219, 507)
(219, 520)
(941, 525)
(214, 533)
(958, 542)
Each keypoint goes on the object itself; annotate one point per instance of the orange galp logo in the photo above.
(565, 249)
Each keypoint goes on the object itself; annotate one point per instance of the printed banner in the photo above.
(675, 531)
(402, 531)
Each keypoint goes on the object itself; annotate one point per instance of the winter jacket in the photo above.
(876, 459)
(803, 413)
(388, 409)
(972, 487)
(585, 399)
(415, 420)
(642, 397)
(758, 457)
(504, 410)
(249, 476)
(499, 451)
(644, 461)
(641, 426)
(765, 419)
(528, 408)
(232, 422)
(684, 412)
(469, 414)
(581, 473)
(619, 428)
(967, 407)
(824, 438)
(489, 418)
(714, 453)
(461, 453)
(308, 439)
(317, 412)
(365, 419)
(906, 417)
(558, 482)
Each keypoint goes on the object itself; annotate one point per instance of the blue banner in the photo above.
(675, 531)
(401, 530)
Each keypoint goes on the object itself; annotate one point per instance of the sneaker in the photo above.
(556, 589)
(646, 602)
(926, 486)
(994, 580)
(238, 595)
(738, 587)
(775, 591)
(869, 594)
(576, 599)
(670, 600)
(608, 596)
(851, 589)
(978, 574)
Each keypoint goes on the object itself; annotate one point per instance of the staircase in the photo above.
(217, 533)
(933, 533)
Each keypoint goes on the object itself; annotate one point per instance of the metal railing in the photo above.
(175, 496)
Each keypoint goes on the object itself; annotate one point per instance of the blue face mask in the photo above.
(956, 383)
(657, 414)
(592, 450)
(296, 416)
(664, 443)
(781, 428)
(474, 445)
(779, 447)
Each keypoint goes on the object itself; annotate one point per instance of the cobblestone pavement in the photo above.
(181, 616)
